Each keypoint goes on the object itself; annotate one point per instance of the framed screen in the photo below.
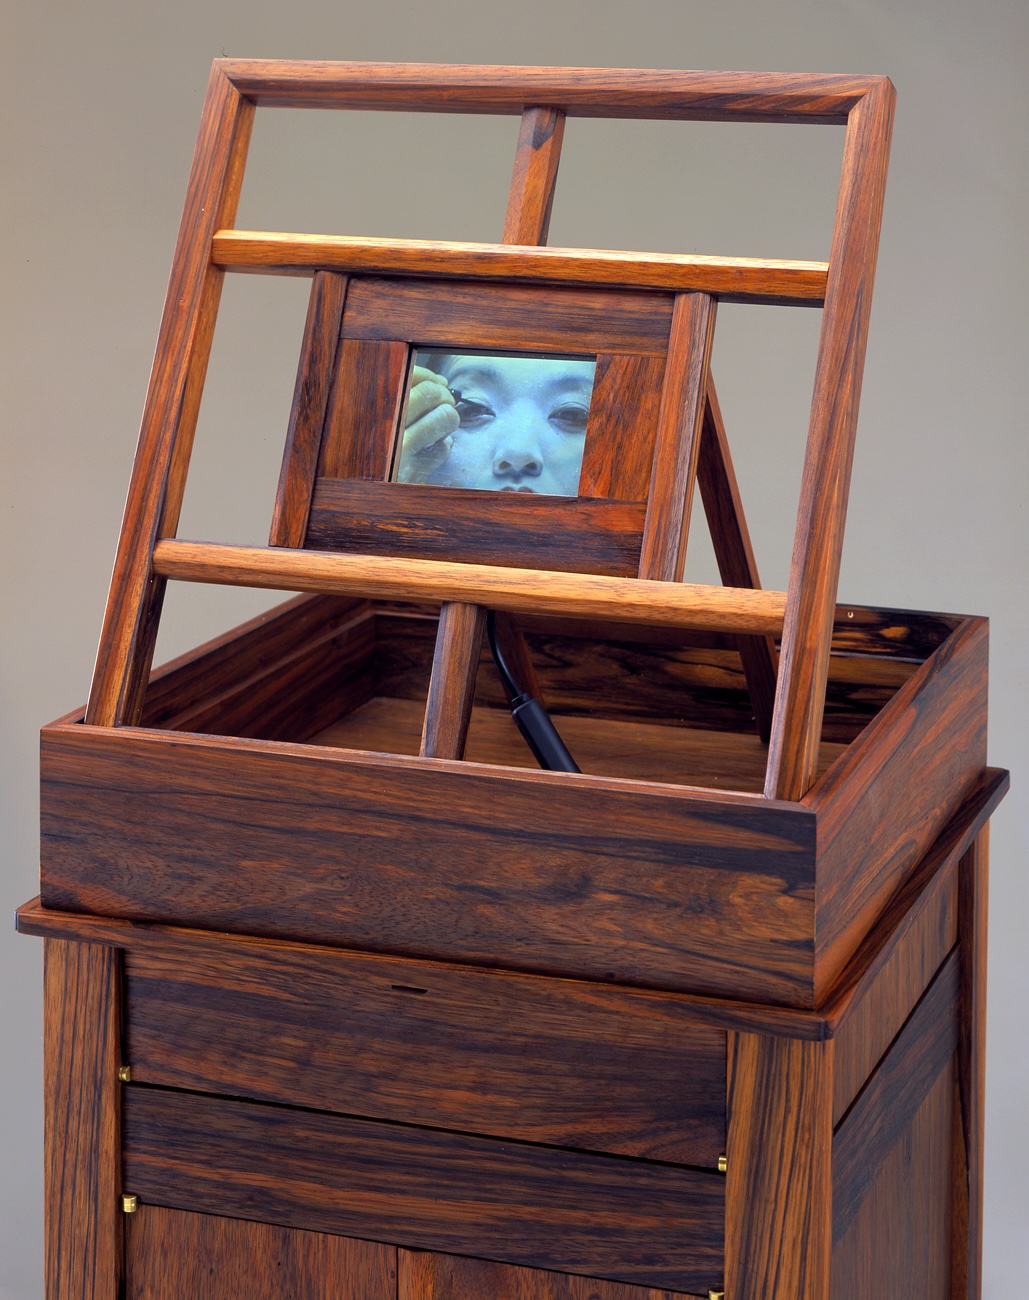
(494, 421)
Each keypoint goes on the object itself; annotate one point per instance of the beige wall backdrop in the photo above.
(101, 103)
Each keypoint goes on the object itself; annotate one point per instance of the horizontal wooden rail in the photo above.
(522, 591)
(738, 279)
(579, 92)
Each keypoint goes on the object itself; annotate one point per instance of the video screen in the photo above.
(495, 421)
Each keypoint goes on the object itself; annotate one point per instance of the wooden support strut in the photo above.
(173, 402)
(818, 544)
(522, 591)
(452, 685)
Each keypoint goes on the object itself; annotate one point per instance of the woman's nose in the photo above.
(516, 461)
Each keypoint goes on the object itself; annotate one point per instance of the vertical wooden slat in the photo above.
(818, 543)
(973, 884)
(82, 1136)
(529, 204)
(307, 414)
(730, 537)
(173, 399)
(679, 424)
(452, 684)
(531, 197)
(619, 455)
(778, 1195)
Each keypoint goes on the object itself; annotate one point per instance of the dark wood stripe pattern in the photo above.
(425, 1275)
(875, 823)
(307, 413)
(82, 1149)
(778, 1182)
(562, 1063)
(672, 889)
(894, 1093)
(503, 528)
(471, 314)
(179, 1255)
(364, 411)
(631, 1221)
(973, 891)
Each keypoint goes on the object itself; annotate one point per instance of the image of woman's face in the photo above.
(520, 424)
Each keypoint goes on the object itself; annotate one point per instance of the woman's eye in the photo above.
(474, 414)
(570, 418)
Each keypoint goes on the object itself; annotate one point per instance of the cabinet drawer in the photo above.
(541, 1060)
(632, 1221)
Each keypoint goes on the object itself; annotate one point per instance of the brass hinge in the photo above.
(716, 1295)
(125, 1073)
(723, 1164)
(129, 1204)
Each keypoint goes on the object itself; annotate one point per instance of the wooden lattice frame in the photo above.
(148, 553)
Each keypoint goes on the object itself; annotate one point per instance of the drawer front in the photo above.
(505, 1055)
(631, 1221)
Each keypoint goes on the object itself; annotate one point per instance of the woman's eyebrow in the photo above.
(473, 371)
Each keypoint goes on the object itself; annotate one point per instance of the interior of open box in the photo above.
(642, 703)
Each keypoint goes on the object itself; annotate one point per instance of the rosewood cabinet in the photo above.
(332, 1083)
(345, 997)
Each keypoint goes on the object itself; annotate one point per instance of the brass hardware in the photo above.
(125, 1073)
(723, 1165)
(129, 1204)
(716, 1295)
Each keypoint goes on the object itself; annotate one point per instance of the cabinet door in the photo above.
(427, 1275)
(171, 1254)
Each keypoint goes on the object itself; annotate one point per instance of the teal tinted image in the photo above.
(500, 422)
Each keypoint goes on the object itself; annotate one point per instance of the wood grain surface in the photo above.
(893, 1095)
(898, 1241)
(307, 413)
(638, 673)
(920, 892)
(734, 554)
(549, 1061)
(364, 410)
(973, 906)
(779, 1183)
(582, 92)
(735, 279)
(82, 1141)
(638, 751)
(178, 943)
(448, 707)
(632, 1221)
(525, 317)
(677, 441)
(586, 595)
(619, 449)
(672, 888)
(511, 529)
(172, 404)
(876, 1018)
(825, 483)
(179, 1255)
(531, 196)
(875, 821)
(282, 676)
(429, 1275)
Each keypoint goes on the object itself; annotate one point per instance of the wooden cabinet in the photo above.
(345, 997)
(316, 1119)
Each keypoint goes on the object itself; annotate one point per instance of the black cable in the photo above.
(534, 722)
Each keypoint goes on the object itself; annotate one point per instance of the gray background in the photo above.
(101, 103)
